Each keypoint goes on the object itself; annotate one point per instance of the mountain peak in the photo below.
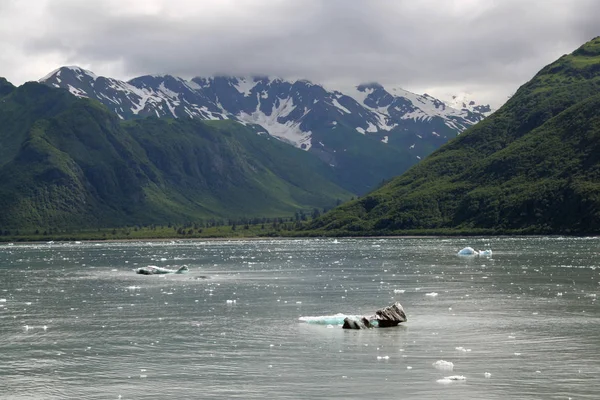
(78, 72)
(5, 87)
(363, 87)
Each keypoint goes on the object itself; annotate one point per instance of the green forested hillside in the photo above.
(68, 162)
(531, 167)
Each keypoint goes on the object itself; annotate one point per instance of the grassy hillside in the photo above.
(531, 167)
(68, 162)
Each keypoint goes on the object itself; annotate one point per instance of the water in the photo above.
(77, 322)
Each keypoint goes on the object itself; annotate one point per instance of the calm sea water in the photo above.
(77, 323)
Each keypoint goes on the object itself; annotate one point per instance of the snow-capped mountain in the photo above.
(298, 112)
(464, 101)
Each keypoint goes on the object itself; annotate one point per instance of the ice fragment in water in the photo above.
(432, 294)
(399, 290)
(383, 357)
(487, 375)
(444, 365)
(337, 319)
(467, 251)
(453, 378)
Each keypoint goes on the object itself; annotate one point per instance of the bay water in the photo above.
(261, 319)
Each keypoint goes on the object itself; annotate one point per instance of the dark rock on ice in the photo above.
(383, 318)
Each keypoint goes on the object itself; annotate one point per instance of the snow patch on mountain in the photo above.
(464, 101)
(275, 123)
(245, 85)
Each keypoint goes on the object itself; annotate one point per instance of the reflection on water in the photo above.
(77, 322)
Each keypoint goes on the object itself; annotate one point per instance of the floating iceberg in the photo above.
(444, 365)
(154, 270)
(469, 251)
(453, 378)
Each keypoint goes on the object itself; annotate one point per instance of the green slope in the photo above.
(68, 162)
(531, 167)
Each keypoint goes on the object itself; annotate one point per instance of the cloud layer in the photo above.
(488, 48)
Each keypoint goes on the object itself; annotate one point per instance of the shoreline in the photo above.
(265, 238)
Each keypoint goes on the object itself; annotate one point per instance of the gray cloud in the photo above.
(486, 47)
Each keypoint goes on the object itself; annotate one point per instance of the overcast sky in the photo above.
(485, 47)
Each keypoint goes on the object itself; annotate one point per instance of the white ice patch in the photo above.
(444, 365)
(384, 140)
(360, 130)
(432, 294)
(371, 128)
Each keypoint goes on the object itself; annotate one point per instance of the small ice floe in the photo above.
(487, 375)
(133, 287)
(453, 378)
(469, 251)
(408, 367)
(444, 365)
(231, 302)
(432, 294)
(399, 290)
(383, 357)
(460, 348)
(2, 300)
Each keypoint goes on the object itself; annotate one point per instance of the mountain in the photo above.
(70, 162)
(531, 167)
(368, 134)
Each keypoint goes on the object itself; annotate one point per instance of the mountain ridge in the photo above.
(280, 105)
